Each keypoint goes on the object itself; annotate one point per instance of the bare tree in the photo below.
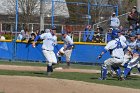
(28, 9)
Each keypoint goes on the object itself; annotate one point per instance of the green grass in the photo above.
(133, 82)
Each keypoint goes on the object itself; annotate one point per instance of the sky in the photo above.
(60, 8)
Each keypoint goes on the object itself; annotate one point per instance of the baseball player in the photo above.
(66, 49)
(115, 47)
(132, 44)
(123, 39)
(134, 62)
(49, 41)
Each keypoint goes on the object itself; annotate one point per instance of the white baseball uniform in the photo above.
(122, 38)
(49, 41)
(116, 47)
(68, 42)
(128, 56)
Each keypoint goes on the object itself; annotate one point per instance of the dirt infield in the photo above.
(26, 84)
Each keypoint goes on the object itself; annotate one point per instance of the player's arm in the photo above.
(42, 36)
(35, 40)
(71, 44)
(125, 46)
(107, 47)
(102, 53)
(56, 45)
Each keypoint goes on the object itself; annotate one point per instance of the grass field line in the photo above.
(58, 69)
(35, 68)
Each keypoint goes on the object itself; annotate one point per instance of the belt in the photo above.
(117, 57)
(46, 50)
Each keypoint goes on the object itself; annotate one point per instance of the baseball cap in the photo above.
(119, 31)
(53, 27)
(114, 13)
(111, 28)
(47, 30)
(132, 35)
(135, 7)
(22, 31)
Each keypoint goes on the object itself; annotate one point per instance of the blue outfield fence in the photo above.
(83, 53)
(6, 50)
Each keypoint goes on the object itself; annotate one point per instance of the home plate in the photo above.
(58, 68)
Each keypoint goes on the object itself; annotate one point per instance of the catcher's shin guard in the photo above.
(118, 72)
(126, 71)
(103, 72)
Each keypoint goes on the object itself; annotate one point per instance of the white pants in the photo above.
(127, 57)
(134, 62)
(50, 56)
(112, 61)
(67, 53)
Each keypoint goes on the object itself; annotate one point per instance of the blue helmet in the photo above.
(63, 32)
(132, 35)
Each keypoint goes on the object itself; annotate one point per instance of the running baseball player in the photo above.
(115, 47)
(49, 41)
(66, 49)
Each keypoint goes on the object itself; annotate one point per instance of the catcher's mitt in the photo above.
(61, 53)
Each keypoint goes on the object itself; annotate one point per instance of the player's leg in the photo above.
(127, 57)
(117, 63)
(48, 56)
(138, 67)
(53, 60)
(107, 62)
(68, 56)
(114, 63)
(103, 73)
(133, 62)
(117, 70)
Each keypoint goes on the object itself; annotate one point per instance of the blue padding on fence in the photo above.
(6, 50)
(81, 53)
(27, 52)
(88, 54)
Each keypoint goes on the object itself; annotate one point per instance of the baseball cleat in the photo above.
(101, 78)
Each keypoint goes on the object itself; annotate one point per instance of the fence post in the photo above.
(79, 36)
(52, 12)
(105, 37)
